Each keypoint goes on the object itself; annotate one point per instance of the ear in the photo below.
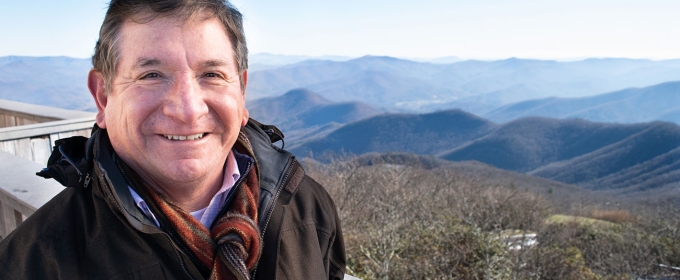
(244, 78)
(95, 82)
(246, 115)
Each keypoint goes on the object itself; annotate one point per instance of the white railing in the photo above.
(14, 113)
(24, 150)
(35, 141)
(21, 191)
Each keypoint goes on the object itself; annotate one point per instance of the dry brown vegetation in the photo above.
(615, 216)
(404, 221)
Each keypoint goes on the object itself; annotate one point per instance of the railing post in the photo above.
(2, 221)
(18, 217)
(8, 220)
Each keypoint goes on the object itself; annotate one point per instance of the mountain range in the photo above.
(429, 133)
(51, 81)
(302, 113)
(658, 102)
(626, 158)
(472, 85)
(385, 83)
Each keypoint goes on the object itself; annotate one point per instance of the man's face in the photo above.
(176, 104)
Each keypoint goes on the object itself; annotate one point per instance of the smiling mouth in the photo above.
(184, 137)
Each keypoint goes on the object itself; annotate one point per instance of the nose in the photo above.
(185, 100)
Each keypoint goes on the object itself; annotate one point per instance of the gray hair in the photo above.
(106, 53)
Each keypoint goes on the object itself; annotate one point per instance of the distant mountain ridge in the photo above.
(633, 105)
(653, 150)
(421, 134)
(385, 83)
(50, 81)
(474, 86)
(529, 143)
(301, 113)
(597, 156)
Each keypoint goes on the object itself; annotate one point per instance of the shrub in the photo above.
(404, 221)
(614, 216)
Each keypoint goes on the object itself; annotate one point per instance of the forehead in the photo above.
(165, 39)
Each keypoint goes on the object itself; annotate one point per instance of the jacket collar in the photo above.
(76, 160)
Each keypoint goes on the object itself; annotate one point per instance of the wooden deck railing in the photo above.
(24, 150)
(35, 141)
(14, 113)
(21, 192)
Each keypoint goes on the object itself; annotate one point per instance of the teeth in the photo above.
(184, 138)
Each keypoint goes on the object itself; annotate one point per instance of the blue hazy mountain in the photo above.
(51, 81)
(623, 157)
(386, 83)
(630, 157)
(659, 102)
(475, 86)
(301, 113)
(262, 61)
(530, 143)
(430, 133)
(647, 159)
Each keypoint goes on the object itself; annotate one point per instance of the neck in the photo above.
(190, 197)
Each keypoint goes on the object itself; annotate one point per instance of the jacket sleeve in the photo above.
(328, 228)
(336, 253)
(306, 227)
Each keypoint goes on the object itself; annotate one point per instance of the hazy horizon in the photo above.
(488, 29)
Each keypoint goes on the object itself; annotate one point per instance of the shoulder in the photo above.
(308, 234)
(57, 214)
(310, 203)
(311, 189)
(45, 237)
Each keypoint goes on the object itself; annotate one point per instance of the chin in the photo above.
(185, 171)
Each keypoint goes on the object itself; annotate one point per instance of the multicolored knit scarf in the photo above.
(232, 248)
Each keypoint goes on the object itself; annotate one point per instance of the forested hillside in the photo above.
(423, 134)
(415, 217)
(631, 158)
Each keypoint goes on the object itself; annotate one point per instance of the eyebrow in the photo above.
(215, 62)
(146, 62)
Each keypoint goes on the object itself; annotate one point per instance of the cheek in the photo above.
(126, 113)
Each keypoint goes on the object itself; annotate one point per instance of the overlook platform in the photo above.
(27, 135)
(14, 113)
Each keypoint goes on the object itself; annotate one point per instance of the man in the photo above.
(176, 182)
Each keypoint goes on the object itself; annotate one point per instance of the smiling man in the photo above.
(176, 182)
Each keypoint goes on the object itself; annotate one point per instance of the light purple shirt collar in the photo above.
(207, 215)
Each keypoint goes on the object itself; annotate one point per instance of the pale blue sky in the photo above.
(488, 29)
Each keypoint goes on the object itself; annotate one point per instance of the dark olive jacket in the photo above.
(93, 230)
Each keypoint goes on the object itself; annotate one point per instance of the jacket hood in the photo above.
(70, 163)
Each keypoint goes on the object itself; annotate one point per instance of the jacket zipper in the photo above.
(291, 165)
(232, 191)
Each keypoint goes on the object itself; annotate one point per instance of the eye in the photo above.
(150, 76)
(212, 75)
